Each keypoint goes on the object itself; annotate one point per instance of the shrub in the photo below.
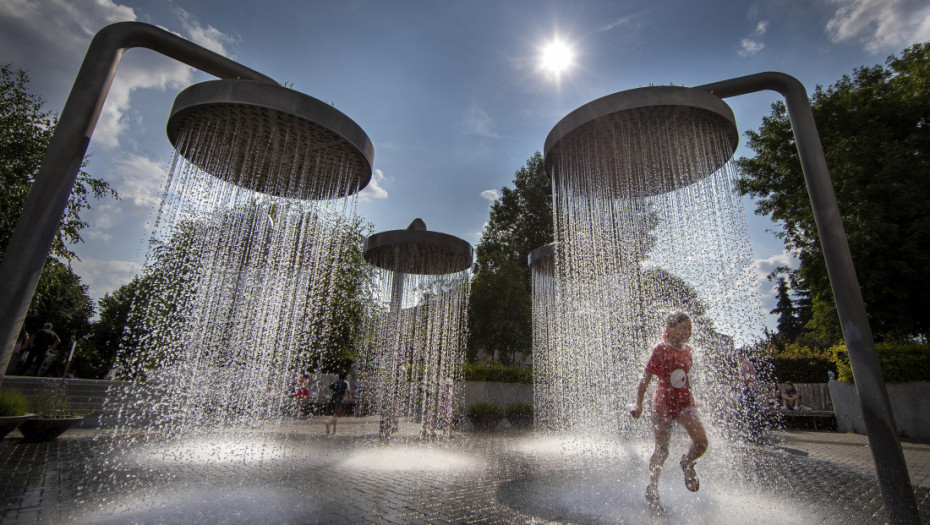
(484, 409)
(520, 409)
(802, 369)
(12, 403)
(498, 372)
(900, 362)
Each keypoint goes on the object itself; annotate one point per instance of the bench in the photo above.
(820, 420)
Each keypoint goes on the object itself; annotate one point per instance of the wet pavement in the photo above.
(293, 473)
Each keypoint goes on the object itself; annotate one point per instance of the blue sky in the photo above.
(450, 92)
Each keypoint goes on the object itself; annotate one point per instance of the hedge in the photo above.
(900, 363)
(497, 372)
(801, 369)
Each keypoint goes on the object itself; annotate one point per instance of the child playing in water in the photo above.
(673, 403)
(340, 388)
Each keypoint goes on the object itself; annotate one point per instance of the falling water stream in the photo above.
(238, 280)
(416, 353)
(639, 235)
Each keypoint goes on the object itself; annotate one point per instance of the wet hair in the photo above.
(676, 319)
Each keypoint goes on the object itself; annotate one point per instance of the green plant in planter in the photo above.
(53, 415)
(12, 411)
(52, 404)
(12, 403)
(520, 415)
(485, 416)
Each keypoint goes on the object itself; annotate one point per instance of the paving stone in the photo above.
(830, 479)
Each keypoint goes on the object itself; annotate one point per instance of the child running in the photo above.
(673, 403)
(340, 388)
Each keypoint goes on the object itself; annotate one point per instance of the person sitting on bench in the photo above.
(791, 398)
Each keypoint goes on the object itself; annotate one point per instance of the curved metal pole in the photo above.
(893, 477)
(35, 231)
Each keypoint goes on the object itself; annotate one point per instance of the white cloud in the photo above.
(749, 47)
(761, 268)
(478, 122)
(490, 195)
(618, 22)
(753, 43)
(881, 25)
(139, 181)
(50, 38)
(104, 276)
(208, 37)
(374, 189)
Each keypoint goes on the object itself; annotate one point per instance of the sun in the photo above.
(556, 57)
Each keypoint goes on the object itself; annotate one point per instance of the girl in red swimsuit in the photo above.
(673, 403)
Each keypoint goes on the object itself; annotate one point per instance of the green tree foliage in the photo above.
(336, 334)
(62, 300)
(131, 334)
(500, 312)
(875, 129)
(107, 332)
(25, 131)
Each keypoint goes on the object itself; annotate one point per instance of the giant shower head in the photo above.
(270, 139)
(641, 142)
(542, 259)
(418, 251)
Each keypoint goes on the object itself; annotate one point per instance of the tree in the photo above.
(790, 325)
(62, 300)
(107, 332)
(875, 129)
(501, 309)
(25, 131)
(335, 335)
(500, 312)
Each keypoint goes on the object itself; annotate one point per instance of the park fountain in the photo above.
(249, 238)
(414, 361)
(647, 222)
(244, 252)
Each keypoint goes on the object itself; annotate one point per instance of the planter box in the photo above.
(46, 429)
(9, 423)
(910, 405)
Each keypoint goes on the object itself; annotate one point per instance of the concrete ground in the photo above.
(293, 473)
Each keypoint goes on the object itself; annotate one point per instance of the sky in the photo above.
(451, 93)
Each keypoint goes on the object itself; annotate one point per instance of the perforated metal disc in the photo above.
(642, 142)
(418, 252)
(270, 139)
(543, 258)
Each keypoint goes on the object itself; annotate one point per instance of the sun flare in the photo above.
(556, 57)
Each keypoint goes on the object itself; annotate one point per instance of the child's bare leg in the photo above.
(692, 424)
(695, 429)
(663, 434)
(335, 415)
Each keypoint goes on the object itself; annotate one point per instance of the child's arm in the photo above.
(637, 409)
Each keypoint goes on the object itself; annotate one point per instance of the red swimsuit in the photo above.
(673, 391)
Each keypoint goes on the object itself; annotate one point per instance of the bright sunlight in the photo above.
(556, 57)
